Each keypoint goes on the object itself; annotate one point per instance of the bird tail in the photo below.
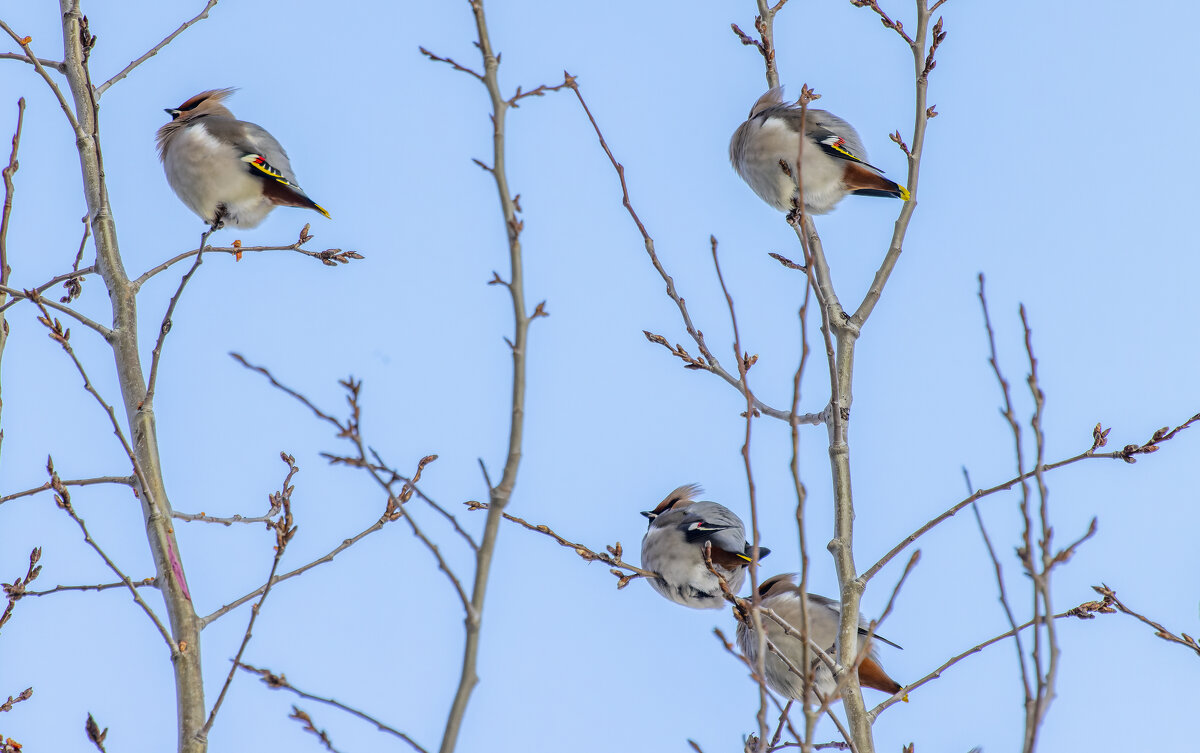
(861, 180)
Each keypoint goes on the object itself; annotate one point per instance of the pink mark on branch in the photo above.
(177, 568)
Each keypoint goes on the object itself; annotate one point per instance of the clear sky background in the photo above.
(1059, 166)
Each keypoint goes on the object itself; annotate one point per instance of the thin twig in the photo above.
(284, 529)
(36, 299)
(57, 65)
(165, 327)
(64, 277)
(745, 361)
(143, 583)
(1008, 613)
(36, 62)
(707, 361)
(1110, 597)
(126, 480)
(280, 682)
(62, 498)
(612, 557)
(1126, 454)
(154, 50)
(329, 257)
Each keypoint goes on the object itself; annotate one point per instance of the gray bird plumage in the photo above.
(832, 163)
(673, 547)
(781, 595)
(226, 169)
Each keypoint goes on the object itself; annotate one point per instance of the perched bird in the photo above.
(781, 595)
(226, 170)
(765, 151)
(673, 547)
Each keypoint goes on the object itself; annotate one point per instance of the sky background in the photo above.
(1058, 167)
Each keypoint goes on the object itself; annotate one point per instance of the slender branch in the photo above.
(46, 62)
(284, 531)
(154, 50)
(126, 480)
(9, 190)
(64, 277)
(36, 62)
(165, 327)
(706, 361)
(1081, 611)
(293, 393)
(330, 257)
(744, 362)
(612, 557)
(280, 682)
(328, 557)
(143, 583)
(33, 296)
(1110, 598)
(1126, 454)
(62, 498)
(1008, 613)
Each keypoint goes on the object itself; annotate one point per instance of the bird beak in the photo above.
(173, 113)
(650, 515)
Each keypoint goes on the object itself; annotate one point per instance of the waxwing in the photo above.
(765, 149)
(673, 547)
(226, 170)
(781, 595)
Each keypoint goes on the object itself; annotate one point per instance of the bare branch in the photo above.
(46, 62)
(707, 362)
(126, 480)
(1111, 600)
(143, 583)
(284, 531)
(330, 257)
(165, 327)
(36, 62)
(280, 682)
(450, 62)
(1008, 613)
(612, 557)
(35, 298)
(62, 498)
(154, 50)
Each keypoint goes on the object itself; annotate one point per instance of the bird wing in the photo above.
(265, 158)
(836, 137)
(836, 607)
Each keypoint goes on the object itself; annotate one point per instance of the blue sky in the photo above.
(1053, 168)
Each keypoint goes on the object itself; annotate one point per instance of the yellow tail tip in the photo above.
(321, 209)
(904, 194)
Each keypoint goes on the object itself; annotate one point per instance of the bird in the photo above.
(673, 547)
(781, 595)
(226, 170)
(766, 148)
